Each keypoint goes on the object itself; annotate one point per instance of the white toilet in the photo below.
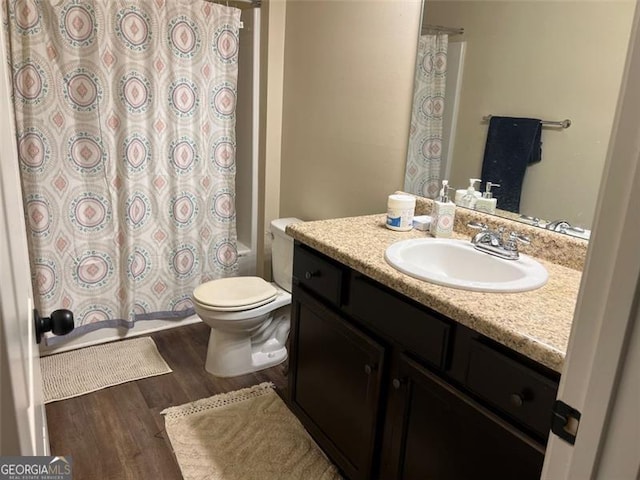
(249, 317)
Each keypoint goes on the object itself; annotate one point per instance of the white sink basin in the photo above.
(457, 264)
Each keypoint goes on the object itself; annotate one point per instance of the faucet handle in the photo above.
(535, 221)
(519, 237)
(478, 225)
(511, 245)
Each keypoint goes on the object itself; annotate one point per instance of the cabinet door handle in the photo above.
(370, 368)
(309, 275)
(397, 383)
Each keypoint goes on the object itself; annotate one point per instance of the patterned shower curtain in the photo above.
(125, 112)
(422, 172)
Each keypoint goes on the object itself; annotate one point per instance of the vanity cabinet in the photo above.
(393, 390)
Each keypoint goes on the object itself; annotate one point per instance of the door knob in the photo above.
(60, 323)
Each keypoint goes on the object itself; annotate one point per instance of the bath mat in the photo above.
(249, 434)
(78, 372)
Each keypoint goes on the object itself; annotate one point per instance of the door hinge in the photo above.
(566, 421)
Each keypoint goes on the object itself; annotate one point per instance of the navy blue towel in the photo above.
(512, 145)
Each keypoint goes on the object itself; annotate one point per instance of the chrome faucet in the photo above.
(562, 226)
(558, 225)
(493, 242)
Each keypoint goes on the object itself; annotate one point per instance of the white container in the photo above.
(400, 210)
(467, 198)
(443, 214)
(461, 192)
(487, 204)
(442, 219)
(422, 222)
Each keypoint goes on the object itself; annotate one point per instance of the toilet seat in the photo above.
(240, 308)
(234, 294)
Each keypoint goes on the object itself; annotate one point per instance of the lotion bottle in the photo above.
(467, 198)
(487, 204)
(443, 214)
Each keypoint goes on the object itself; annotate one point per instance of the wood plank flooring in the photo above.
(118, 433)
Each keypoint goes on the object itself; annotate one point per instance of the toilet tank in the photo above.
(282, 252)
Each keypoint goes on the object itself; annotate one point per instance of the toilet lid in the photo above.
(235, 293)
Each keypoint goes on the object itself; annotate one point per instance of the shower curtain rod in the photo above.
(441, 29)
(241, 4)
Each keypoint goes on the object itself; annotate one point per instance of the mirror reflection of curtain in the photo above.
(422, 173)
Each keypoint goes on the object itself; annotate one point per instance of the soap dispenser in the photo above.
(442, 215)
(467, 198)
(487, 204)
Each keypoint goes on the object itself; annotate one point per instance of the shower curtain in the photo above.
(422, 172)
(125, 114)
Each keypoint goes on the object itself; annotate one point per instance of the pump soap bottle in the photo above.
(467, 198)
(442, 214)
(487, 204)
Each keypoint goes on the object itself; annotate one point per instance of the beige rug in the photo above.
(248, 434)
(82, 371)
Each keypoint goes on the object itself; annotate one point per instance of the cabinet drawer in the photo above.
(516, 389)
(418, 331)
(317, 274)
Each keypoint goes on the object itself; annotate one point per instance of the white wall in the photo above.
(272, 40)
(348, 82)
(244, 132)
(541, 59)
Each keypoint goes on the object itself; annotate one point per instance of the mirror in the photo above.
(549, 60)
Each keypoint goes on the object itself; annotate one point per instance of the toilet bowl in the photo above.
(249, 317)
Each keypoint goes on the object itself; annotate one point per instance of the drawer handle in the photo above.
(368, 369)
(516, 399)
(309, 275)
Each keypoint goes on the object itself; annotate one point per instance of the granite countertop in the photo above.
(536, 323)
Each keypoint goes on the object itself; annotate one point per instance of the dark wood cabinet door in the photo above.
(335, 376)
(439, 433)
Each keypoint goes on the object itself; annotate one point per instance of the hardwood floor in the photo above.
(118, 433)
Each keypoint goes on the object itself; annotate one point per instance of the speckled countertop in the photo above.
(535, 323)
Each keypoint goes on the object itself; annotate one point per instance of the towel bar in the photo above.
(562, 123)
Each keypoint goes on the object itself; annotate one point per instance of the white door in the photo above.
(601, 372)
(23, 423)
